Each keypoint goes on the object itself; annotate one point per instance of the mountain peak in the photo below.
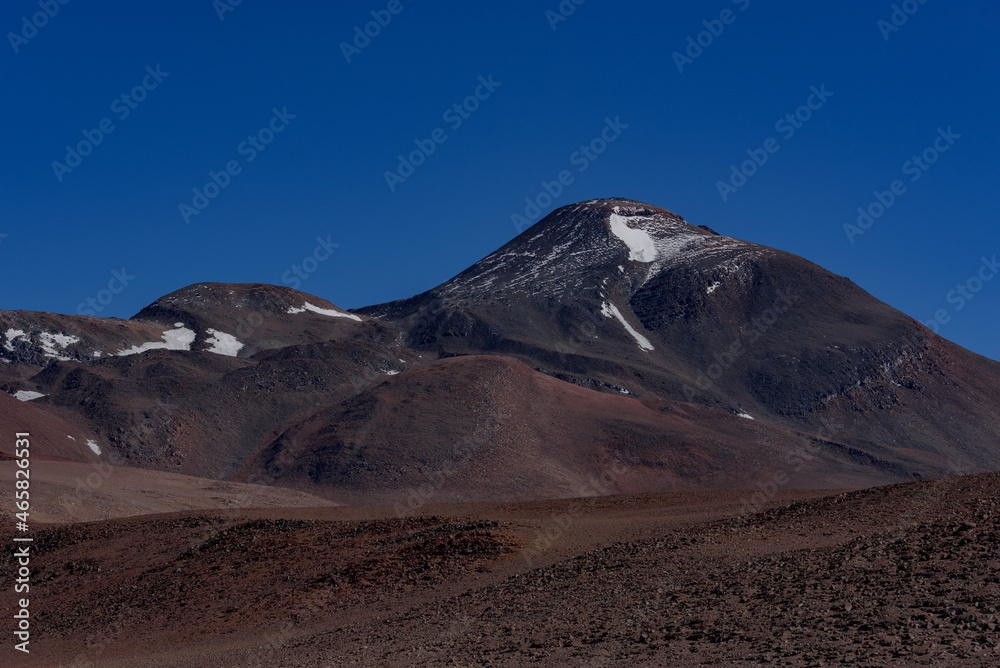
(580, 247)
(201, 298)
(611, 204)
(601, 216)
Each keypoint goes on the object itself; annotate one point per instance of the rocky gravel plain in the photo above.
(905, 575)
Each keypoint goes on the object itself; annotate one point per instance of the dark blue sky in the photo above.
(319, 164)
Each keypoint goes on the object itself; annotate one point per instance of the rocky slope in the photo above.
(616, 295)
(611, 334)
(901, 575)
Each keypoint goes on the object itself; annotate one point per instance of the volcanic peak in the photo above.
(578, 246)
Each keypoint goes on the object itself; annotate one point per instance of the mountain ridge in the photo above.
(790, 369)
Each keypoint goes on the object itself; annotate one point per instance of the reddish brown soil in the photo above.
(73, 492)
(900, 575)
(59, 436)
(490, 428)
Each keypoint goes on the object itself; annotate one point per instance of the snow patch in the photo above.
(27, 395)
(611, 311)
(173, 339)
(391, 372)
(93, 446)
(12, 334)
(712, 287)
(746, 415)
(70, 437)
(641, 246)
(222, 344)
(49, 342)
(322, 311)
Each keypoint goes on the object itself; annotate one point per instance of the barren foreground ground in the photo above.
(901, 575)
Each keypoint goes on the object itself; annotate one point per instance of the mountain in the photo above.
(197, 380)
(489, 428)
(620, 296)
(611, 348)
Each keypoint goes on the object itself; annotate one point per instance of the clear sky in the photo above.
(154, 98)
